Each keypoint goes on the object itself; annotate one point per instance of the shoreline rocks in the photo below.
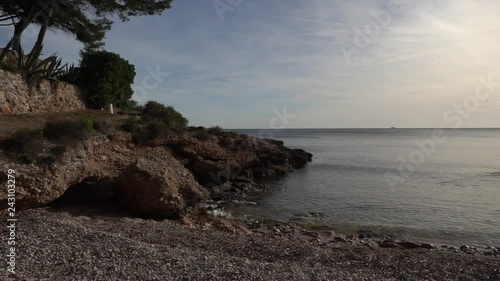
(181, 171)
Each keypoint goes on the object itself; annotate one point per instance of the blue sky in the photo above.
(420, 60)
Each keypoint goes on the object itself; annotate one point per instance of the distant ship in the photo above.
(393, 128)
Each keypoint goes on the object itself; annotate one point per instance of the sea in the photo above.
(433, 185)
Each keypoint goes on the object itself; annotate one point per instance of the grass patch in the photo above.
(47, 146)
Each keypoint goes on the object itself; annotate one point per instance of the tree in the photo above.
(106, 78)
(87, 20)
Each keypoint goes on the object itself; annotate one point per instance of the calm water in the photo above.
(449, 194)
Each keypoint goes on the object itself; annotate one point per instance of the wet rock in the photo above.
(468, 250)
(408, 245)
(464, 248)
(427, 246)
(388, 244)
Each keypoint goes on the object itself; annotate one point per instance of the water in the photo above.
(449, 192)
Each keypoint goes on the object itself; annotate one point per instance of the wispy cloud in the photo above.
(268, 54)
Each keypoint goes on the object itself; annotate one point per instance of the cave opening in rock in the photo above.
(91, 195)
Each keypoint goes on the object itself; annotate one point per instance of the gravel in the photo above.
(66, 245)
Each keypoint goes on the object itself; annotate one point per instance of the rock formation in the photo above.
(163, 177)
(159, 187)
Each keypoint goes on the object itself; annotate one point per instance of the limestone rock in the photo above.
(17, 96)
(161, 187)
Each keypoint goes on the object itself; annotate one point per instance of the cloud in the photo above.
(270, 54)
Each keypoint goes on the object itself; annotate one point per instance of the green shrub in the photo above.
(157, 128)
(104, 126)
(132, 105)
(24, 145)
(69, 130)
(167, 114)
(151, 130)
(216, 130)
(88, 122)
(107, 78)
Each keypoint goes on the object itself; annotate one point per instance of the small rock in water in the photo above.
(388, 244)
(427, 246)
(464, 248)
(408, 245)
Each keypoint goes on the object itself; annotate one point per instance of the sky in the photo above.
(313, 63)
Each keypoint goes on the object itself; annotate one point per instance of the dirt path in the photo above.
(11, 123)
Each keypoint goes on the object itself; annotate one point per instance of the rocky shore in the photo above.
(161, 178)
(87, 244)
(111, 209)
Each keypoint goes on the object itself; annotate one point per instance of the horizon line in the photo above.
(377, 128)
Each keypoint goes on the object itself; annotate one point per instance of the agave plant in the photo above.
(70, 74)
(49, 68)
(53, 67)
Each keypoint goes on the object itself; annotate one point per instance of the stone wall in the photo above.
(17, 96)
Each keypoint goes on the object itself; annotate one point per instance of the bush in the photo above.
(152, 130)
(107, 78)
(24, 145)
(167, 114)
(105, 127)
(132, 105)
(88, 122)
(69, 130)
(30, 146)
(216, 130)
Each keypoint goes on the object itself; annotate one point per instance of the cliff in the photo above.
(40, 95)
(162, 178)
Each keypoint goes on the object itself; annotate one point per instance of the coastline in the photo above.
(79, 228)
(369, 236)
(88, 244)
